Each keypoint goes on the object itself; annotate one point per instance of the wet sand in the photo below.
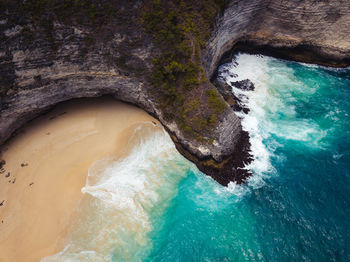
(48, 164)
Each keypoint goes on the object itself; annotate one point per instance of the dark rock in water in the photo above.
(245, 85)
(245, 110)
(239, 106)
(226, 91)
(7, 175)
(234, 168)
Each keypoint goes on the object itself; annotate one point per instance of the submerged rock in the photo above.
(245, 85)
(226, 91)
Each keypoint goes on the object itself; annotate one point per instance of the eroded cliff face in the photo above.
(39, 70)
(304, 30)
(41, 67)
(37, 75)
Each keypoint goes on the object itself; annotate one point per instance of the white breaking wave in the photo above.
(272, 110)
(334, 69)
(254, 68)
(123, 197)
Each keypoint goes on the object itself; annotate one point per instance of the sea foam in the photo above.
(123, 199)
(254, 68)
(273, 111)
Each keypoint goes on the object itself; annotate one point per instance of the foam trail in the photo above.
(123, 199)
(254, 68)
(269, 114)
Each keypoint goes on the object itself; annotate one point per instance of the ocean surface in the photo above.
(154, 205)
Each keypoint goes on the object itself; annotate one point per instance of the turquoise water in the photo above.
(299, 208)
(296, 207)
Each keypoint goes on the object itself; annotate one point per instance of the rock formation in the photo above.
(39, 70)
(304, 30)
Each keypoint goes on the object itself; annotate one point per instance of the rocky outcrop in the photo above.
(304, 30)
(39, 70)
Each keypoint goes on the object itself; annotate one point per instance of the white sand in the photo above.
(40, 204)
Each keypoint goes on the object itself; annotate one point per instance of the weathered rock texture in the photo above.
(40, 69)
(37, 73)
(304, 30)
(42, 82)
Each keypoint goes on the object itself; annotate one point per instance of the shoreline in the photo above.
(48, 162)
(302, 53)
(39, 76)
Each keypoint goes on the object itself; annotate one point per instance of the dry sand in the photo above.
(57, 149)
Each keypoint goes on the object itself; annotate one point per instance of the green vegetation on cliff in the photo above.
(43, 12)
(37, 20)
(181, 29)
(177, 31)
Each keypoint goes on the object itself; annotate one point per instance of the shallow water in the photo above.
(156, 206)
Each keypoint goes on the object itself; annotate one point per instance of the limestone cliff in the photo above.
(304, 30)
(44, 63)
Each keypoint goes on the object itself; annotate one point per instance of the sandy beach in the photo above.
(46, 166)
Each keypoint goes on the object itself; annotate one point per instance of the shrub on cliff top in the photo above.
(181, 29)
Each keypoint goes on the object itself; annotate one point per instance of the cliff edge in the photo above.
(305, 30)
(52, 52)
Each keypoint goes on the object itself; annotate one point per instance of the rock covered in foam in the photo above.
(245, 85)
(235, 101)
